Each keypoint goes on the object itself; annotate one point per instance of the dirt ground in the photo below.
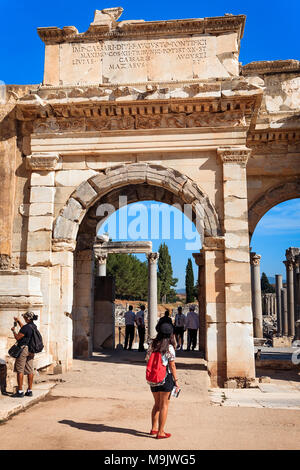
(105, 403)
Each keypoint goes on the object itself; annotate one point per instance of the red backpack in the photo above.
(155, 371)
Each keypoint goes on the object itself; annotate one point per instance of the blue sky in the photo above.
(272, 28)
(278, 230)
(271, 33)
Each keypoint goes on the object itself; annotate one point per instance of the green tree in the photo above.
(189, 282)
(266, 287)
(166, 282)
(131, 276)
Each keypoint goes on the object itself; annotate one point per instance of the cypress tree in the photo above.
(266, 287)
(189, 282)
(165, 275)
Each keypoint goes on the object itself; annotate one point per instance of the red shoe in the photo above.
(152, 432)
(163, 437)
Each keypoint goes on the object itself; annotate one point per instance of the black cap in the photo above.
(166, 329)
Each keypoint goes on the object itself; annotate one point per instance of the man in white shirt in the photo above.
(129, 327)
(140, 321)
(180, 320)
(192, 325)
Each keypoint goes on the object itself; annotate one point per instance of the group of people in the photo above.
(182, 323)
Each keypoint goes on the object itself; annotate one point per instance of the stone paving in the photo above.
(265, 395)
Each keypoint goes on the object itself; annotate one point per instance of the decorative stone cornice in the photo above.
(270, 66)
(109, 29)
(237, 155)
(255, 259)
(270, 140)
(42, 161)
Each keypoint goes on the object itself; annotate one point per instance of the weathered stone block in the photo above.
(39, 241)
(73, 177)
(85, 194)
(73, 210)
(39, 258)
(42, 194)
(44, 209)
(38, 223)
(65, 229)
(43, 178)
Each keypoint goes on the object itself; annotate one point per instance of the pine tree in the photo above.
(266, 287)
(189, 282)
(165, 275)
(131, 276)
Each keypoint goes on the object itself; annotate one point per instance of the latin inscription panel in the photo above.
(134, 61)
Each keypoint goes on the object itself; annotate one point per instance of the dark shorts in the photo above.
(166, 387)
(179, 330)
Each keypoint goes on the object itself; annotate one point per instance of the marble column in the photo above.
(290, 296)
(278, 303)
(152, 293)
(199, 259)
(256, 295)
(102, 259)
(297, 296)
(284, 312)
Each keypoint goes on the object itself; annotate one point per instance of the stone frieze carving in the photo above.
(154, 121)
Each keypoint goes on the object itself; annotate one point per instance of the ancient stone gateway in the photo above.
(151, 111)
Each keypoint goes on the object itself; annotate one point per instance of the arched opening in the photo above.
(276, 243)
(174, 237)
(78, 222)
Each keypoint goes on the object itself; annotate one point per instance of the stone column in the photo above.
(102, 259)
(284, 312)
(214, 309)
(278, 303)
(256, 295)
(239, 322)
(297, 295)
(152, 293)
(8, 156)
(290, 296)
(199, 259)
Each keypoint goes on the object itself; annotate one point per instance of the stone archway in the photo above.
(75, 227)
(275, 195)
(135, 175)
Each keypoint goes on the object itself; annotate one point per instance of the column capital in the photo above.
(255, 259)
(152, 257)
(199, 258)
(291, 254)
(237, 155)
(101, 257)
(289, 265)
(43, 161)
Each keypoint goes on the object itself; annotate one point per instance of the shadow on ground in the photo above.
(138, 358)
(103, 428)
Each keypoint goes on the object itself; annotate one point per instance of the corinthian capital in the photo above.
(255, 259)
(237, 155)
(153, 257)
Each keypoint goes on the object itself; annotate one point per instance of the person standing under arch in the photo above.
(129, 327)
(140, 321)
(180, 320)
(192, 325)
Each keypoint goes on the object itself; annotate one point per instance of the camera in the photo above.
(15, 323)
